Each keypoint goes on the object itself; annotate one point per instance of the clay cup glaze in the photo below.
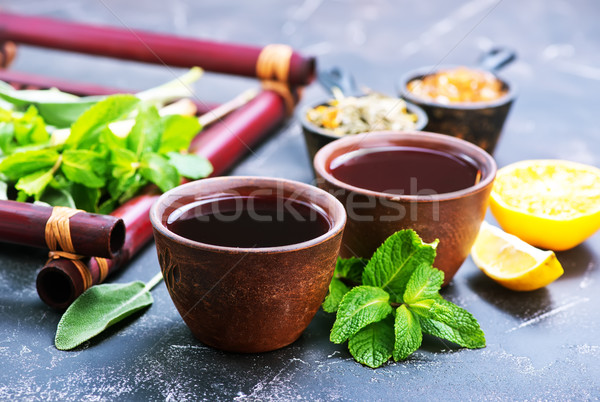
(454, 218)
(317, 137)
(477, 122)
(247, 299)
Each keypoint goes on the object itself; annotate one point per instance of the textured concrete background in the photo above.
(543, 345)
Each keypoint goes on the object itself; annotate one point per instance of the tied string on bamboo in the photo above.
(273, 68)
(58, 235)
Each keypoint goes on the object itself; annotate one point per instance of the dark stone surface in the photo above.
(542, 345)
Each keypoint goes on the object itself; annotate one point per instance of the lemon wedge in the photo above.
(551, 204)
(513, 263)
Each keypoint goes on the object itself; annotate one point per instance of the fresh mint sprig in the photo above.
(92, 168)
(385, 304)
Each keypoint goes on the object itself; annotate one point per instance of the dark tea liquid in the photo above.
(404, 170)
(248, 222)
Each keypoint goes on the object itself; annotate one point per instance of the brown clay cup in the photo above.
(454, 218)
(247, 299)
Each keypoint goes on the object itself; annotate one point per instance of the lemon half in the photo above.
(513, 263)
(552, 204)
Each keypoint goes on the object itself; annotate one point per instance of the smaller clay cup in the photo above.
(247, 299)
(316, 137)
(454, 218)
(478, 122)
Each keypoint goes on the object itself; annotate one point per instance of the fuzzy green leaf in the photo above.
(85, 132)
(359, 307)
(98, 308)
(408, 335)
(178, 132)
(424, 283)
(190, 165)
(80, 165)
(395, 260)
(124, 162)
(157, 169)
(337, 290)
(145, 134)
(21, 164)
(351, 268)
(450, 322)
(373, 345)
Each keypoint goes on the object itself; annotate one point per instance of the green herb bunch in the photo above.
(385, 304)
(94, 168)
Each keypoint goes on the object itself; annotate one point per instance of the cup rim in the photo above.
(321, 161)
(338, 221)
(423, 119)
(404, 93)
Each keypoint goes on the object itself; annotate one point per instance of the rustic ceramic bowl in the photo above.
(317, 137)
(477, 122)
(247, 299)
(454, 218)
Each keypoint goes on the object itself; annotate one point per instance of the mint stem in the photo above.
(154, 281)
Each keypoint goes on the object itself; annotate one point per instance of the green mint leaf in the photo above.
(450, 322)
(351, 268)
(84, 197)
(424, 283)
(422, 307)
(373, 345)
(190, 165)
(359, 307)
(337, 290)
(34, 184)
(98, 308)
(7, 133)
(395, 260)
(408, 335)
(57, 197)
(146, 133)
(178, 132)
(85, 132)
(30, 128)
(21, 164)
(156, 168)
(79, 166)
(124, 163)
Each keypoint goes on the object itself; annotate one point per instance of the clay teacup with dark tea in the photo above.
(247, 261)
(435, 184)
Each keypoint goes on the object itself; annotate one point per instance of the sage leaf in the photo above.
(395, 260)
(337, 290)
(156, 168)
(424, 283)
(408, 335)
(145, 134)
(178, 132)
(351, 268)
(373, 345)
(98, 308)
(450, 322)
(86, 130)
(190, 165)
(359, 307)
(21, 164)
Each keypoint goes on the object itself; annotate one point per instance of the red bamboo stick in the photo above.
(145, 46)
(25, 224)
(59, 282)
